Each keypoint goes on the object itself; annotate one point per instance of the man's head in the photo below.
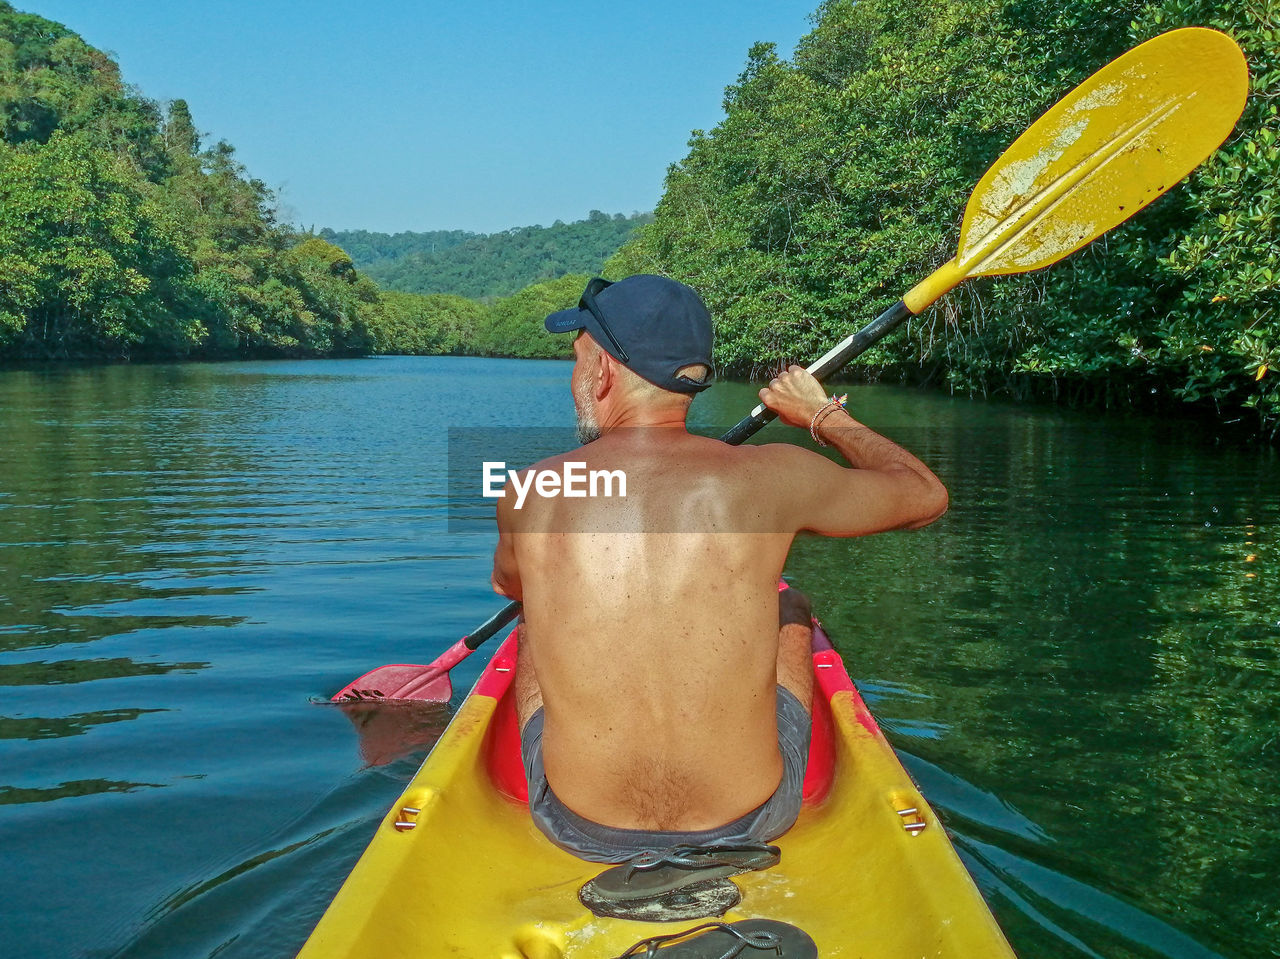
(644, 343)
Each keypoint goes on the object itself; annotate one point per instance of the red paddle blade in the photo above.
(399, 681)
(406, 681)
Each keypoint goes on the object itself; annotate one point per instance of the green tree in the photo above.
(514, 324)
(121, 237)
(78, 237)
(181, 140)
(433, 324)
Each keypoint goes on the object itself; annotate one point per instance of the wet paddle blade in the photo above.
(398, 681)
(430, 683)
(1106, 150)
(410, 682)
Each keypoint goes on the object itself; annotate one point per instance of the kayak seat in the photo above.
(501, 749)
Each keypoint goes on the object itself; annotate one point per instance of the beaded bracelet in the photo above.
(833, 404)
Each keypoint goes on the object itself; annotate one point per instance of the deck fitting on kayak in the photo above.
(912, 821)
(407, 819)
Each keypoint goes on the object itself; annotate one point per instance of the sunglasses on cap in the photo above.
(588, 302)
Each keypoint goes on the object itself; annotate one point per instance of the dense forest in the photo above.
(123, 236)
(443, 323)
(837, 179)
(482, 265)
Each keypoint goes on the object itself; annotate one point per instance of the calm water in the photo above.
(1078, 664)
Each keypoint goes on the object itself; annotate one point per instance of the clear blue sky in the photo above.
(476, 115)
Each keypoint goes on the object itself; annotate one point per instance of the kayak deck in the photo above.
(457, 867)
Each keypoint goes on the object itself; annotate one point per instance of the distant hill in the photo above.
(486, 265)
(368, 249)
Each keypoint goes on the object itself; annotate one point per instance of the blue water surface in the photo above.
(1075, 664)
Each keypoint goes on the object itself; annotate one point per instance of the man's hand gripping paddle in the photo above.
(1107, 149)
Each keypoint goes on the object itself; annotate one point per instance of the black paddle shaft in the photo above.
(848, 348)
(491, 625)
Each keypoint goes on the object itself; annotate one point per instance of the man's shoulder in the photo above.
(697, 454)
(769, 454)
(556, 461)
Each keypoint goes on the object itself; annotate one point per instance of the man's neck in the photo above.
(666, 417)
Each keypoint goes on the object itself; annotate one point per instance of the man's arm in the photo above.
(506, 574)
(887, 488)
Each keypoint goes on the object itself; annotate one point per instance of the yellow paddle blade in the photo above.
(1110, 147)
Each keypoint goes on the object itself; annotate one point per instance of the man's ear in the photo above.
(606, 375)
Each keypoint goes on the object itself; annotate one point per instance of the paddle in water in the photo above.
(430, 683)
(1114, 144)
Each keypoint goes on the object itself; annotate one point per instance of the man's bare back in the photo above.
(650, 635)
(651, 626)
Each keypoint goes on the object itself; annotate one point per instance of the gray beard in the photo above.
(588, 425)
(588, 429)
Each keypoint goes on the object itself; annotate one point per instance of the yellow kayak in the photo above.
(457, 867)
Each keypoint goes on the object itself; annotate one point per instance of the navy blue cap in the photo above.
(652, 325)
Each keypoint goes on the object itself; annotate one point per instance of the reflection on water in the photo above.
(1084, 640)
(1078, 664)
(80, 787)
(44, 727)
(57, 672)
(396, 730)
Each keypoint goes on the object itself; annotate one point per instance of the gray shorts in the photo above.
(596, 843)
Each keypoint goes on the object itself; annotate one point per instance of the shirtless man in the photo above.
(659, 700)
